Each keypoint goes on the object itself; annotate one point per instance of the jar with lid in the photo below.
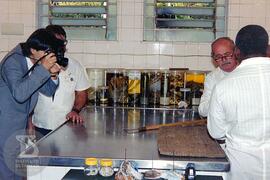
(176, 82)
(134, 87)
(154, 87)
(106, 168)
(185, 100)
(164, 88)
(117, 83)
(103, 94)
(144, 87)
(96, 78)
(91, 167)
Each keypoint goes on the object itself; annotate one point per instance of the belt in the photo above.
(221, 141)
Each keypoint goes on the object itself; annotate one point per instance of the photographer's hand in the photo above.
(55, 70)
(48, 61)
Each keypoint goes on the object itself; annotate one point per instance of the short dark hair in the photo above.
(56, 29)
(41, 39)
(252, 40)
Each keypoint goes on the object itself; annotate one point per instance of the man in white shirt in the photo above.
(223, 57)
(239, 108)
(69, 99)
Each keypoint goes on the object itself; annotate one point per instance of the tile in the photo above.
(127, 8)
(204, 49)
(14, 7)
(114, 61)
(127, 61)
(165, 48)
(75, 46)
(178, 62)
(191, 63)
(114, 47)
(152, 62)
(138, 9)
(102, 61)
(3, 45)
(191, 49)
(88, 60)
(153, 48)
(140, 48)
(127, 47)
(233, 10)
(179, 49)
(128, 22)
(165, 62)
(205, 64)
(126, 34)
(140, 62)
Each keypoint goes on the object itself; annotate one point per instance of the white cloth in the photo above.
(210, 81)
(51, 113)
(239, 111)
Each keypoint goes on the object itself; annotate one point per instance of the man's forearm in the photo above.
(80, 101)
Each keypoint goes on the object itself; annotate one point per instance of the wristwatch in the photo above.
(76, 110)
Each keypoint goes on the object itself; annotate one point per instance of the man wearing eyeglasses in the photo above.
(223, 57)
(69, 99)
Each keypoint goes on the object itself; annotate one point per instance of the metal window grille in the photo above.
(82, 19)
(184, 20)
(185, 14)
(83, 13)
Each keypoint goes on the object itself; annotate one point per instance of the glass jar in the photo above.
(185, 100)
(144, 87)
(103, 94)
(154, 87)
(91, 167)
(195, 81)
(96, 78)
(134, 86)
(164, 88)
(176, 82)
(117, 83)
(106, 168)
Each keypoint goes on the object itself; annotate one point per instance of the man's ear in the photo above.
(33, 51)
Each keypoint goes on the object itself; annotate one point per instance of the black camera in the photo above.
(60, 56)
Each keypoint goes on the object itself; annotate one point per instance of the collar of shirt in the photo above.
(29, 62)
(254, 61)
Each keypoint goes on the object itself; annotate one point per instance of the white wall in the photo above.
(19, 17)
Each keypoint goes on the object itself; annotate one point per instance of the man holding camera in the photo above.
(24, 73)
(70, 97)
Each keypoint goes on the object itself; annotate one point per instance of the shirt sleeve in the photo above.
(216, 124)
(82, 80)
(205, 98)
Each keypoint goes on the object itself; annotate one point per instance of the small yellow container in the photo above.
(106, 168)
(91, 167)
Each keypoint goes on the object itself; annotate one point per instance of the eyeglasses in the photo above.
(65, 42)
(219, 57)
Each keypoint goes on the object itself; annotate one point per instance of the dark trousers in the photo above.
(41, 132)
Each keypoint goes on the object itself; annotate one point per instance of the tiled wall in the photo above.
(18, 21)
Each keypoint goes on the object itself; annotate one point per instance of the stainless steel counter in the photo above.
(102, 136)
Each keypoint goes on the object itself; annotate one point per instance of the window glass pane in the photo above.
(83, 19)
(184, 20)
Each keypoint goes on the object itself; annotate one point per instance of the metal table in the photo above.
(102, 136)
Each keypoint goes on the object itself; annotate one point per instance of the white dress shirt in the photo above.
(210, 81)
(240, 111)
(51, 113)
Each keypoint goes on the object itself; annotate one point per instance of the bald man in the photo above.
(223, 57)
